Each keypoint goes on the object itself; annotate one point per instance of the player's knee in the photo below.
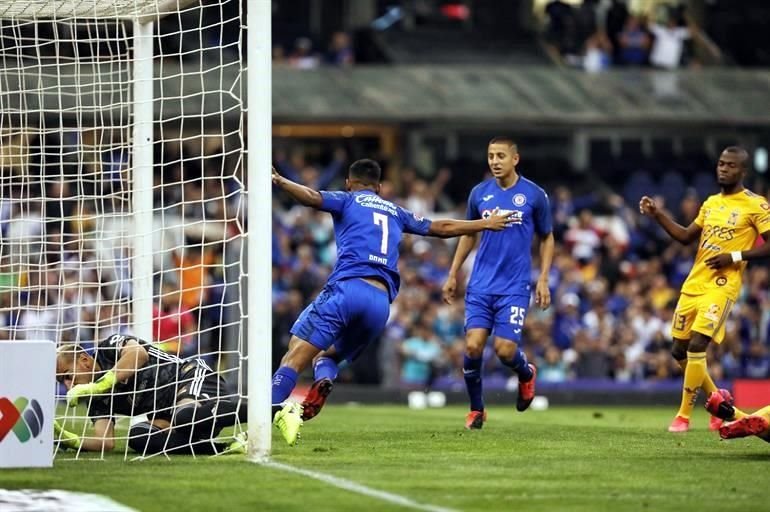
(195, 421)
(698, 344)
(679, 352)
(474, 351)
(144, 438)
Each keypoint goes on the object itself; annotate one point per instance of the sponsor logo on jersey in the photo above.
(487, 197)
(721, 281)
(519, 200)
(418, 218)
(516, 216)
(712, 313)
(375, 201)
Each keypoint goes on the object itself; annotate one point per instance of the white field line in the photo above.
(351, 486)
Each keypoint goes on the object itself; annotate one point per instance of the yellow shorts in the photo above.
(705, 314)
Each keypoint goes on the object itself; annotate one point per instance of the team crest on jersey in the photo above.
(733, 220)
(519, 200)
(721, 281)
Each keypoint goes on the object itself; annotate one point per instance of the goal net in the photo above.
(121, 183)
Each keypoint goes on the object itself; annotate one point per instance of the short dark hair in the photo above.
(365, 171)
(742, 154)
(504, 139)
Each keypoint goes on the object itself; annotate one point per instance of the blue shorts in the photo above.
(347, 314)
(502, 315)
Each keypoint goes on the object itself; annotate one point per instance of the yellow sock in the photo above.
(708, 385)
(694, 375)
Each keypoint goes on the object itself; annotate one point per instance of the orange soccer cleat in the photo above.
(475, 420)
(744, 427)
(316, 398)
(679, 424)
(526, 391)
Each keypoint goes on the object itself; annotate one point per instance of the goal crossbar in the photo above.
(113, 9)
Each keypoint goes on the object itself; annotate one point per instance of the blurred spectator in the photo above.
(422, 358)
(340, 50)
(668, 47)
(633, 43)
(303, 56)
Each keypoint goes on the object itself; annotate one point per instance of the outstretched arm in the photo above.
(446, 228)
(102, 440)
(683, 235)
(303, 195)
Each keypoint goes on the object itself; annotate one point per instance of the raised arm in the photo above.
(303, 195)
(683, 235)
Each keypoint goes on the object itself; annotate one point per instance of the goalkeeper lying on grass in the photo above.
(185, 401)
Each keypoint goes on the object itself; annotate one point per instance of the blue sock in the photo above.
(325, 368)
(520, 365)
(472, 376)
(284, 380)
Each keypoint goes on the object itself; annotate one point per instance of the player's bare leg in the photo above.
(512, 356)
(475, 339)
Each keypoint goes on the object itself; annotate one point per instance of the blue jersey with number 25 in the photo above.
(503, 262)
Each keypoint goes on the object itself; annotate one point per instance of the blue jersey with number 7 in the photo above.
(368, 232)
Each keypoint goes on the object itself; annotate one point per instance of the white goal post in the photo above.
(123, 184)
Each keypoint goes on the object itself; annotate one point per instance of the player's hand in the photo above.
(449, 289)
(542, 293)
(65, 438)
(76, 392)
(276, 177)
(498, 221)
(104, 384)
(647, 206)
(719, 261)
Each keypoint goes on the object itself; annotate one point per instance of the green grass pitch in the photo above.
(564, 459)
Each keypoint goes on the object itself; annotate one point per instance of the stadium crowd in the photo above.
(614, 281)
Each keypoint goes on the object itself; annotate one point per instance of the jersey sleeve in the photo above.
(333, 202)
(414, 223)
(473, 205)
(543, 219)
(701, 218)
(108, 352)
(760, 218)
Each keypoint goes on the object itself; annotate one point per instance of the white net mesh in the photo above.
(67, 181)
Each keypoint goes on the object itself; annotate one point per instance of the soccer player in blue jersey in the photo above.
(498, 292)
(353, 307)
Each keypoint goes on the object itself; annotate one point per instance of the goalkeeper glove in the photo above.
(64, 438)
(105, 383)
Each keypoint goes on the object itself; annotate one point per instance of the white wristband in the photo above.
(736, 256)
